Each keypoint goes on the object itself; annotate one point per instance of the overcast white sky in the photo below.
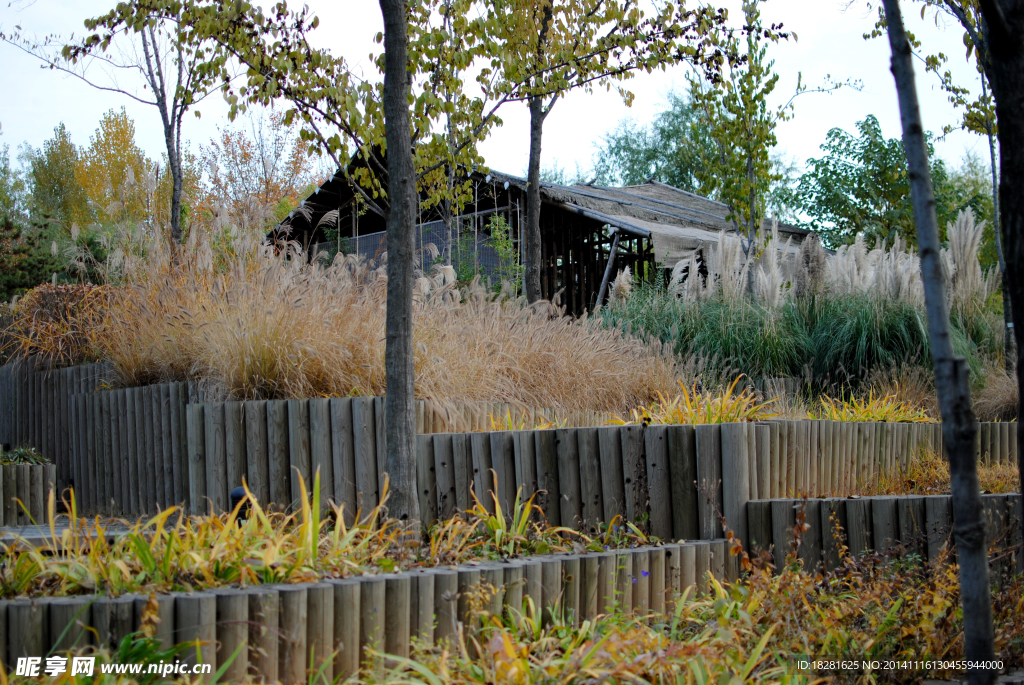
(34, 101)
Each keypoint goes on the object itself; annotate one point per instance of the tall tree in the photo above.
(959, 425)
(401, 220)
(258, 176)
(140, 38)
(543, 50)
(55, 194)
(1002, 44)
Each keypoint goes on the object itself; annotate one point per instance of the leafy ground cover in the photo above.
(173, 552)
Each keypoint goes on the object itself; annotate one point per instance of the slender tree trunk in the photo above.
(176, 185)
(1009, 349)
(400, 428)
(533, 246)
(959, 426)
(1004, 30)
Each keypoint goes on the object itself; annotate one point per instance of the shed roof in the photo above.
(677, 221)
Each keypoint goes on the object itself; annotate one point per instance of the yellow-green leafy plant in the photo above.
(696, 406)
(870, 408)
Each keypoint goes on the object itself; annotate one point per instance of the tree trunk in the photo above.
(959, 426)
(1004, 29)
(533, 247)
(399, 405)
(1009, 349)
(176, 185)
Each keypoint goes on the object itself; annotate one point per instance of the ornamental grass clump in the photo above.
(871, 408)
(696, 405)
(273, 326)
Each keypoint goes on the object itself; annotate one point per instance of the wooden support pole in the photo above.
(659, 481)
(293, 624)
(613, 491)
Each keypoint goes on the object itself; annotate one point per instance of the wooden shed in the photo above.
(656, 226)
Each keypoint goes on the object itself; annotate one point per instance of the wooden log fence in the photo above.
(132, 451)
(906, 524)
(26, 489)
(286, 633)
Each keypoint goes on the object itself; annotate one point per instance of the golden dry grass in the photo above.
(928, 474)
(272, 327)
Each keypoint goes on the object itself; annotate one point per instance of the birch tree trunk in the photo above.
(399, 405)
(959, 426)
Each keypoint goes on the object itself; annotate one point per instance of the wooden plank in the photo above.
(142, 443)
(277, 454)
(833, 523)
(68, 622)
(884, 523)
(234, 446)
(571, 588)
(590, 478)
(120, 507)
(526, 463)
(551, 582)
(763, 438)
(759, 527)
(503, 462)
(634, 471)
(321, 457)
(462, 460)
(167, 458)
(814, 489)
(105, 471)
(792, 458)
(514, 577)
(735, 476)
(483, 470)
(859, 532)
(196, 436)
(10, 486)
(444, 472)
(659, 481)
(613, 491)
(135, 494)
(657, 588)
(344, 456)
(709, 480)
(216, 457)
(381, 437)
(547, 476)
(34, 499)
(777, 446)
(257, 467)
(397, 603)
(938, 524)
(810, 548)
(911, 515)
(783, 522)
(150, 443)
(571, 501)
(364, 435)
(178, 465)
(682, 457)
(426, 479)
(27, 628)
(300, 462)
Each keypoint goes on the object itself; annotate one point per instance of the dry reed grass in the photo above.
(273, 326)
(928, 474)
(998, 399)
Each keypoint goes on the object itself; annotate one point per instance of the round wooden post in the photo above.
(195, 620)
(293, 622)
(69, 617)
(624, 581)
(346, 627)
(264, 612)
(571, 587)
(233, 633)
(589, 587)
(113, 618)
(421, 605)
(28, 631)
(164, 613)
(396, 614)
(446, 592)
(371, 616)
(656, 581)
(320, 630)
